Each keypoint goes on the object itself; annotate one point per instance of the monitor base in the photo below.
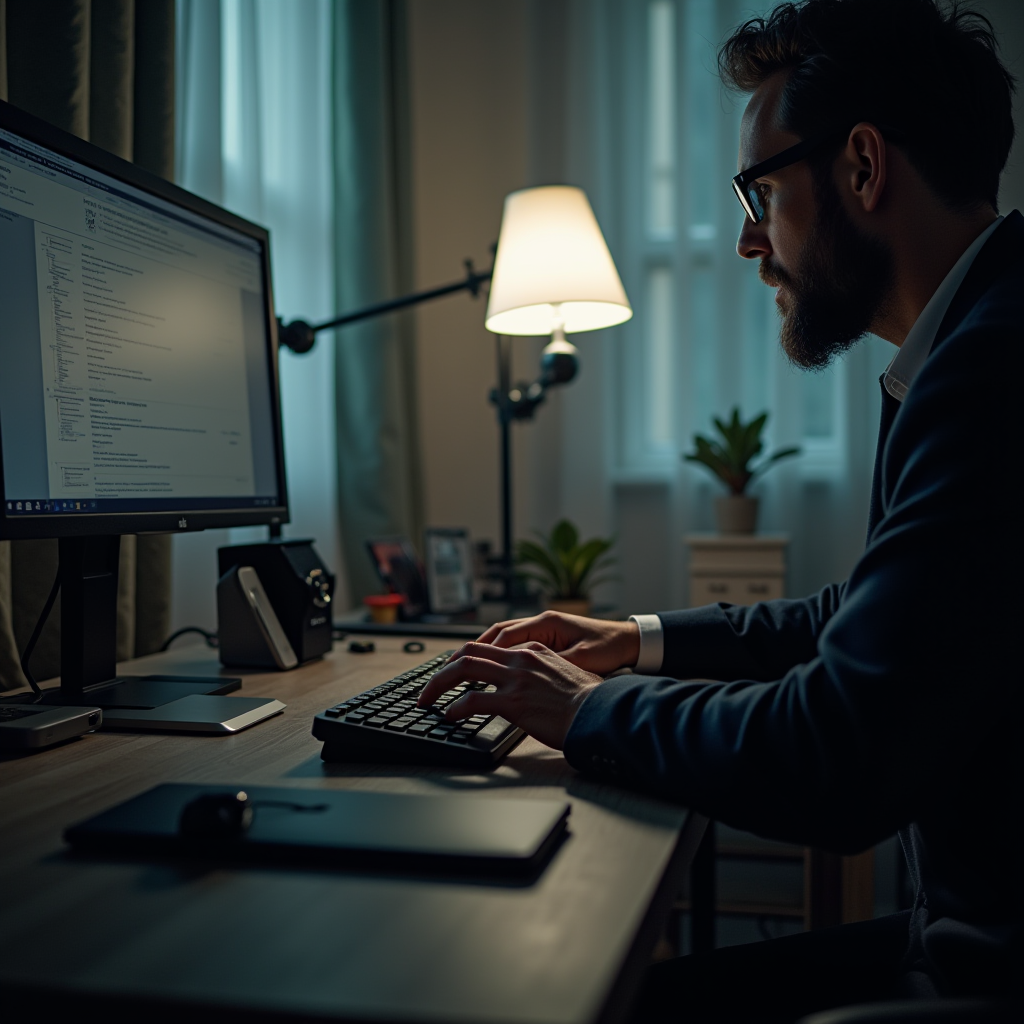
(170, 704)
(141, 692)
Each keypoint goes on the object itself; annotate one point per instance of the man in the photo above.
(870, 155)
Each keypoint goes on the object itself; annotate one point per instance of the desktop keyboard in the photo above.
(384, 725)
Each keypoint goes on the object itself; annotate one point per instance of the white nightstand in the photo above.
(736, 568)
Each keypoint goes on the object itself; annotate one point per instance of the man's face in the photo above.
(832, 279)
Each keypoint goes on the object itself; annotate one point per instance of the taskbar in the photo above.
(107, 506)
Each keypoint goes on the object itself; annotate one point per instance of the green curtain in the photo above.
(103, 70)
(378, 457)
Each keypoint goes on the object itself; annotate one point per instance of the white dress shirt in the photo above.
(897, 379)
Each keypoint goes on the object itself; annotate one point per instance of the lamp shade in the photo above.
(553, 268)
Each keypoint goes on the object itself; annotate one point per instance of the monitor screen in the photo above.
(138, 384)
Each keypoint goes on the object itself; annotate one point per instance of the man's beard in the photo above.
(840, 286)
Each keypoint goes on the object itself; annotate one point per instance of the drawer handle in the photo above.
(718, 588)
(758, 588)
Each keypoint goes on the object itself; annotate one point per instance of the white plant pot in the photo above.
(736, 514)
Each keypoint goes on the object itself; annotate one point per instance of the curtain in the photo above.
(102, 70)
(293, 115)
(378, 460)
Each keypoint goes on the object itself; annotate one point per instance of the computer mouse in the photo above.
(217, 816)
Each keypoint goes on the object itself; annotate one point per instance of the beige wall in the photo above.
(470, 126)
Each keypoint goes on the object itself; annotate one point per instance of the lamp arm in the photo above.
(299, 336)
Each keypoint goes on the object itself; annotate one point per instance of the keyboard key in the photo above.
(356, 717)
(420, 728)
(333, 713)
(492, 731)
(376, 722)
(398, 724)
(460, 737)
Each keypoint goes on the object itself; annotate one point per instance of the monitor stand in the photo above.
(88, 645)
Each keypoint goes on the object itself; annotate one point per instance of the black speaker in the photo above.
(298, 586)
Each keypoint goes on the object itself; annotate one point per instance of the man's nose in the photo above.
(753, 242)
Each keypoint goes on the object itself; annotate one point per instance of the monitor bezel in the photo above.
(184, 520)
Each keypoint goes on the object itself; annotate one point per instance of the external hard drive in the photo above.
(34, 726)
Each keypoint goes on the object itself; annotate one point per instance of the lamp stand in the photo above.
(503, 401)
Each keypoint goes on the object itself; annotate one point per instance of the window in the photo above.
(705, 336)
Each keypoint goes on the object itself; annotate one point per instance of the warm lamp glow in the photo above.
(553, 268)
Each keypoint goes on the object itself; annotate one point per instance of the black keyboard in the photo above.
(383, 725)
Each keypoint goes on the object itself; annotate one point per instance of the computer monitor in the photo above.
(138, 376)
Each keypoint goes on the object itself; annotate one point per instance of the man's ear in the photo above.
(865, 157)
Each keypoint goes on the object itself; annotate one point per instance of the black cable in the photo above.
(210, 638)
(31, 645)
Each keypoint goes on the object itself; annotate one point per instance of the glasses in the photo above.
(745, 183)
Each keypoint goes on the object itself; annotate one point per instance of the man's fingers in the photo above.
(475, 702)
(516, 633)
(488, 635)
(466, 669)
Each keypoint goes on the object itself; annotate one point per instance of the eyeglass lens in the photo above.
(750, 200)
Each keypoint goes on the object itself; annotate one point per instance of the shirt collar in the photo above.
(918, 343)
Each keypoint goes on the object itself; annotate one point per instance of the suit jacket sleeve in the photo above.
(762, 641)
(911, 675)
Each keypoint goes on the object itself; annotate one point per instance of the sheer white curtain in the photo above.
(654, 139)
(254, 135)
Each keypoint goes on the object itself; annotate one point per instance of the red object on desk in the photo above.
(384, 607)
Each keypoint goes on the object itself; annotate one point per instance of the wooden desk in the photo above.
(124, 940)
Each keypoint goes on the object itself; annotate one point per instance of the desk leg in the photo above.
(702, 894)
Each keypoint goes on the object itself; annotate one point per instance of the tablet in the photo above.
(341, 828)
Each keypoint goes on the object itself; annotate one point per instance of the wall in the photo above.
(488, 100)
(473, 142)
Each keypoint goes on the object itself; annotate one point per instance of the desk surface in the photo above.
(124, 937)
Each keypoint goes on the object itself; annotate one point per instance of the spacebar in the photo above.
(490, 733)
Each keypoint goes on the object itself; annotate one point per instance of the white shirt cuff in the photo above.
(652, 644)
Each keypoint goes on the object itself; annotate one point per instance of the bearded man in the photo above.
(869, 154)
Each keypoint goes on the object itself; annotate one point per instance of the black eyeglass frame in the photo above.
(741, 182)
(794, 154)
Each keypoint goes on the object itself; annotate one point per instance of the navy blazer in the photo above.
(891, 701)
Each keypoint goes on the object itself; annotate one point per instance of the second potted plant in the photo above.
(566, 569)
(729, 458)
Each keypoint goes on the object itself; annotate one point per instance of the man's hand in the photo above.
(594, 645)
(534, 688)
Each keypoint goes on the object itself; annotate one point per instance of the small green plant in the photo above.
(562, 565)
(729, 459)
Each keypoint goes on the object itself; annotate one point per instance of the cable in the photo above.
(210, 638)
(31, 645)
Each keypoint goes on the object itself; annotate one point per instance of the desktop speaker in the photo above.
(297, 585)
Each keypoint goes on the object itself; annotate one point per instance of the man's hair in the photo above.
(932, 76)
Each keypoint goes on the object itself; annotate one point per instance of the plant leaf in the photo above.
(588, 557)
(564, 536)
(528, 553)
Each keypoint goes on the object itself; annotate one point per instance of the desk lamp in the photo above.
(553, 275)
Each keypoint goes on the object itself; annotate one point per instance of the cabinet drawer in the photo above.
(734, 589)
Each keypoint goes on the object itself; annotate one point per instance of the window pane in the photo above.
(660, 337)
(661, 106)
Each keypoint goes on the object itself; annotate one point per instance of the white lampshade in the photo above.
(553, 268)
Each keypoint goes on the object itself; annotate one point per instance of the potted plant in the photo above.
(729, 458)
(564, 567)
